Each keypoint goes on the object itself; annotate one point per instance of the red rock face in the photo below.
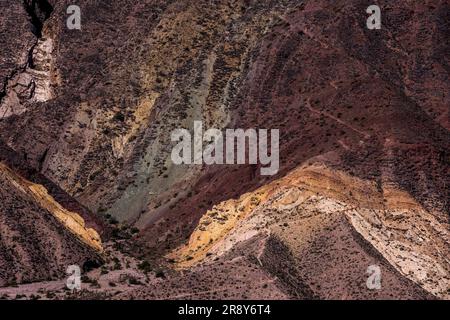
(89, 115)
(337, 93)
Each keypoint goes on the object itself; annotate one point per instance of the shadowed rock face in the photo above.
(91, 113)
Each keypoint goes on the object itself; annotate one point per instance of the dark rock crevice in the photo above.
(38, 11)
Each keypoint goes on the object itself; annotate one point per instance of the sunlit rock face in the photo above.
(39, 238)
(314, 199)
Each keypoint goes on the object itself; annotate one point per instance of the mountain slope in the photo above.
(332, 226)
(364, 138)
(39, 239)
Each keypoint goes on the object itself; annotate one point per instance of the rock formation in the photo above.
(85, 135)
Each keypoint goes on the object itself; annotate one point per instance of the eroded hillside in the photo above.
(39, 239)
(86, 118)
(318, 213)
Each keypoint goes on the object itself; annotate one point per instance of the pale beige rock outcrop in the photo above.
(71, 220)
(34, 83)
(409, 237)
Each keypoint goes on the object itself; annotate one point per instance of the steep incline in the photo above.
(39, 239)
(332, 227)
(332, 88)
(363, 116)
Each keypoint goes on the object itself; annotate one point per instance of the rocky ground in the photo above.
(86, 174)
